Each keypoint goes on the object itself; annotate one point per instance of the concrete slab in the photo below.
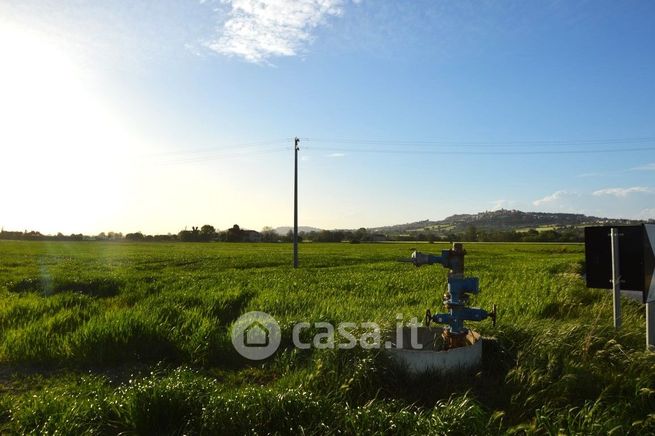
(429, 355)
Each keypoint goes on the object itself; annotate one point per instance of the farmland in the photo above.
(134, 337)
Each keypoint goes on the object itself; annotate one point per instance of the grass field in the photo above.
(134, 338)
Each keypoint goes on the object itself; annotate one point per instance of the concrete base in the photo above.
(432, 357)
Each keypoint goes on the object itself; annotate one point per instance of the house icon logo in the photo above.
(256, 335)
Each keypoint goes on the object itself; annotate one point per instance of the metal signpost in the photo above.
(616, 277)
(650, 324)
(623, 257)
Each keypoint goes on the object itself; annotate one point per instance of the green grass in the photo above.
(108, 338)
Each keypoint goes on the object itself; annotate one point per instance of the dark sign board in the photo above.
(649, 262)
(636, 258)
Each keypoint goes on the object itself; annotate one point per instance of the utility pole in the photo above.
(296, 141)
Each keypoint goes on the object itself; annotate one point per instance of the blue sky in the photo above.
(155, 116)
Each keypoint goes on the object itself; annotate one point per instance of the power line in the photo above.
(472, 152)
(481, 152)
(487, 144)
(416, 147)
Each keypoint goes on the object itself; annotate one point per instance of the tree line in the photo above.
(208, 233)
(472, 234)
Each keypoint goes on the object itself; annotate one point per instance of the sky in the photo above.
(156, 116)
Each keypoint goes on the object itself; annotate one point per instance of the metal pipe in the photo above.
(616, 277)
(650, 325)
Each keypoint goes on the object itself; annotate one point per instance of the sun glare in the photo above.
(55, 133)
(41, 91)
(67, 151)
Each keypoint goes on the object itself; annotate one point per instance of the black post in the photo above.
(295, 204)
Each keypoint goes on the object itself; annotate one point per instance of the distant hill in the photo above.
(502, 219)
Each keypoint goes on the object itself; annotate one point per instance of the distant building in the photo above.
(252, 236)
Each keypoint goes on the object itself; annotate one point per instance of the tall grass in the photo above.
(83, 324)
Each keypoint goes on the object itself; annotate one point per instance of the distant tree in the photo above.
(114, 235)
(269, 235)
(325, 236)
(137, 236)
(360, 234)
(207, 229)
(471, 234)
(165, 238)
(235, 234)
(185, 236)
(289, 237)
(207, 233)
(531, 235)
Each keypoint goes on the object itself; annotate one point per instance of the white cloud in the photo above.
(647, 167)
(622, 192)
(550, 198)
(257, 30)
(336, 155)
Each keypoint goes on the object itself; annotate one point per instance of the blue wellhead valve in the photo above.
(456, 299)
